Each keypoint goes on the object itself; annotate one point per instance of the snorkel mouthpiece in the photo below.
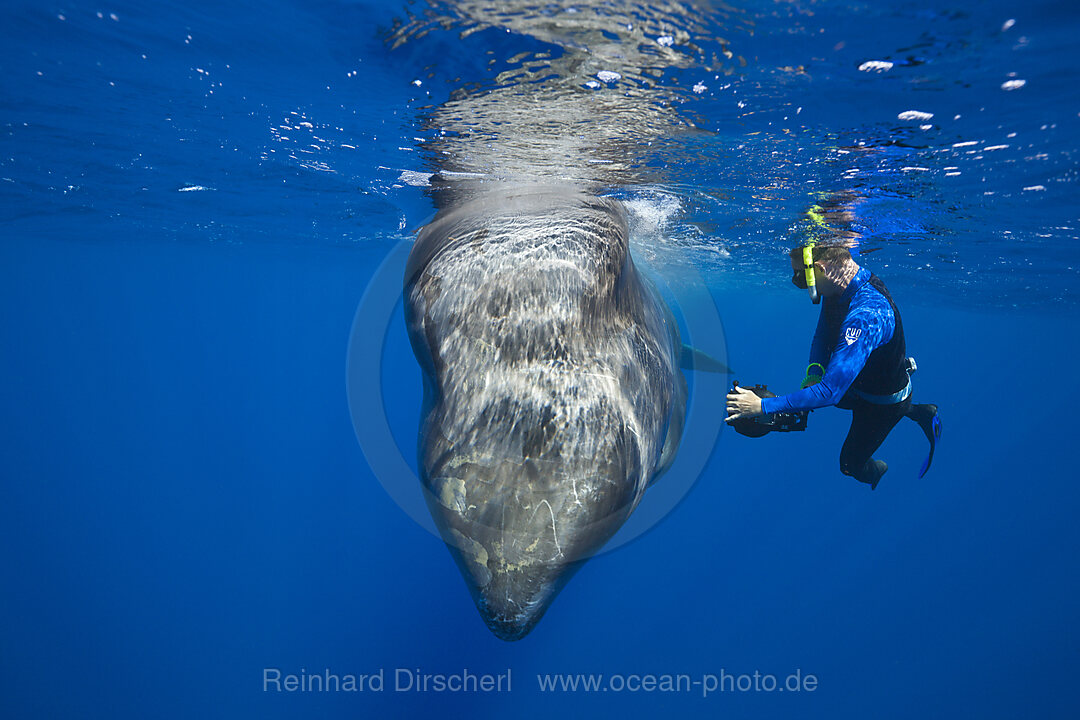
(808, 272)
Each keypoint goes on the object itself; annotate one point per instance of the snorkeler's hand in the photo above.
(742, 404)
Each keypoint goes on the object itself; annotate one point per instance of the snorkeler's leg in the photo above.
(926, 414)
(870, 425)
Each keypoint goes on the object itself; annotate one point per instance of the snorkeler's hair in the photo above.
(824, 254)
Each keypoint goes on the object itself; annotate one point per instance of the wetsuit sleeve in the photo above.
(859, 336)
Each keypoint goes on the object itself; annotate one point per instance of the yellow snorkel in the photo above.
(808, 270)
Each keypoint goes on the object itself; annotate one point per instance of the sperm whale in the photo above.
(552, 389)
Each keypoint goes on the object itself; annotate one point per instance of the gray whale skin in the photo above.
(552, 389)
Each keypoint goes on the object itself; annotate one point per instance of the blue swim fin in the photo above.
(931, 424)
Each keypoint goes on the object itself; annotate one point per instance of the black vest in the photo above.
(885, 371)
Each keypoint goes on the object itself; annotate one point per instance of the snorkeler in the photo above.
(858, 362)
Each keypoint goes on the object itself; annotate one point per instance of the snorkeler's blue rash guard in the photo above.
(868, 323)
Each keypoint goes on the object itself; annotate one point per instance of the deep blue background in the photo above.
(183, 501)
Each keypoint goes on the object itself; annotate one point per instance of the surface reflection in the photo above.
(588, 105)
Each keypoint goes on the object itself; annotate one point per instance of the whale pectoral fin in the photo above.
(693, 359)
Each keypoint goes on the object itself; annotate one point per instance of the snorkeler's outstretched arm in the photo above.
(859, 335)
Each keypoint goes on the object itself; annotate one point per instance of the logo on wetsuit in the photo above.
(852, 334)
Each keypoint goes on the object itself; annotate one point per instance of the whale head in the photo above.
(551, 380)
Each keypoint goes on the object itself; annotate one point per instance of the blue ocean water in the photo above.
(194, 198)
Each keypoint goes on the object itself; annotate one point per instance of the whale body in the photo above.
(552, 389)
